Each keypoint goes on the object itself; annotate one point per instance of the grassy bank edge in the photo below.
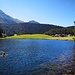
(39, 36)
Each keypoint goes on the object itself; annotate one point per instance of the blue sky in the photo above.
(58, 12)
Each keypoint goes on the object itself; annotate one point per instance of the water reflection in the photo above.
(37, 57)
(73, 66)
(74, 55)
(65, 65)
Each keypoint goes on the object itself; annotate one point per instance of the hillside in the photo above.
(27, 28)
(4, 18)
(1, 31)
(65, 30)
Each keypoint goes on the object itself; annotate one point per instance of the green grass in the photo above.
(39, 36)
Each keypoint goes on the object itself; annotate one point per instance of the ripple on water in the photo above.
(37, 57)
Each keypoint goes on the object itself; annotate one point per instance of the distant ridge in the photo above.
(35, 22)
(4, 18)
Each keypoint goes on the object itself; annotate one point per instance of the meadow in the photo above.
(39, 36)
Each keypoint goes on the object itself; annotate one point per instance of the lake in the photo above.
(37, 57)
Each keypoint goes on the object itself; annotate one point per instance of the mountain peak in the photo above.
(35, 22)
(4, 18)
(1, 12)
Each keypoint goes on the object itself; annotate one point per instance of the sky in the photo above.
(58, 12)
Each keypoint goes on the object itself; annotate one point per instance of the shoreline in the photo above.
(40, 37)
(2, 38)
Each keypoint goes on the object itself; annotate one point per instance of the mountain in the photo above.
(34, 22)
(13, 26)
(4, 18)
(27, 28)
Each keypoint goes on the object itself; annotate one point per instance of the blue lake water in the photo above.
(37, 57)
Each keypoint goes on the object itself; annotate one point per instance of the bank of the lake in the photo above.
(2, 38)
(39, 36)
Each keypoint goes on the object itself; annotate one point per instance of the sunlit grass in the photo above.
(39, 36)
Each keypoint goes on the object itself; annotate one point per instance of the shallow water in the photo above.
(37, 57)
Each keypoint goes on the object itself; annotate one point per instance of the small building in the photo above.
(57, 35)
(60, 35)
(69, 35)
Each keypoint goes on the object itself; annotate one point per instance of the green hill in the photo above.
(27, 28)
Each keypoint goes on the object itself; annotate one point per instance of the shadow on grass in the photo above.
(74, 39)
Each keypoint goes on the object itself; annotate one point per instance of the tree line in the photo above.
(28, 28)
(66, 30)
(1, 31)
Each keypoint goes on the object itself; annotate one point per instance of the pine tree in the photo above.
(74, 28)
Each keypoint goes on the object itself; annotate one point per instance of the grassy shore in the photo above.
(2, 38)
(39, 36)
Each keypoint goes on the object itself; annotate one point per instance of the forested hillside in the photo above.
(65, 30)
(1, 31)
(27, 28)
